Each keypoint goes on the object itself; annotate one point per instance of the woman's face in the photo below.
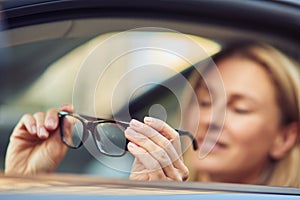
(247, 124)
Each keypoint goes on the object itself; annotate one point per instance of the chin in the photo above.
(209, 164)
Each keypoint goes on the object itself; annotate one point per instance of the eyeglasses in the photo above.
(108, 134)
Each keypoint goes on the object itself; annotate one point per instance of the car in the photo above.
(122, 59)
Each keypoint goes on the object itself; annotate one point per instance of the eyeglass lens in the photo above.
(73, 131)
(109, 137)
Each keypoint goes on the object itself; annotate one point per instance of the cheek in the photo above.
(251, 133)
(257, 129)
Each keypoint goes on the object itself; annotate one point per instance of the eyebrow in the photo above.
(236, 97)
(231, 97)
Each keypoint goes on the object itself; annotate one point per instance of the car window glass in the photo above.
(102, 72)
(126, 64)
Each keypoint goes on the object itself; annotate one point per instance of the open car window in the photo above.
(118, 65)
(101, 75)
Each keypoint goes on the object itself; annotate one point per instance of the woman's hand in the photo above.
(157, 150)
(35, 144)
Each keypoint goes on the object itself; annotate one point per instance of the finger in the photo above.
(138, 171)
(29, 123)
(150, 139)
(40, 123)
(166, 164)
(149, 146)
(157, 138)
(51, 119)
(160, 155)
(67, 107)
(166, 131)
(147, 161)
(154, 169)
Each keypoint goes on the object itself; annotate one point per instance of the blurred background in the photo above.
(100, 77)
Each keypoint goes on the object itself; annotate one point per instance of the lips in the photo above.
(211, 144)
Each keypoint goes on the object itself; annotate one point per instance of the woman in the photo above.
(256, 141)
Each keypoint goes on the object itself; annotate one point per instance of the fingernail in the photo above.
(136, 123)
(33, 129)
(132, 145)
(43, 132)
(50, 123)
(131, 133)
(135, 149)
(148, 120)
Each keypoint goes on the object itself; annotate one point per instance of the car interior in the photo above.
(110, 67)
(43, 69)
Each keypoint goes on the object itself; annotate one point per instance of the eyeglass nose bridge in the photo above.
(90, 129)
(91, 126)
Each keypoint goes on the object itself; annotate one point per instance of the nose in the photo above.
(214, 127)
(211, 126)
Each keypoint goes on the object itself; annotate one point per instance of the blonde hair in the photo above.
(285, 74)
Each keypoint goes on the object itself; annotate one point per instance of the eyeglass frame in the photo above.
(89, 123)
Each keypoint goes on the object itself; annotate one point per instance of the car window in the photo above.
(118, 67)
(126, 66)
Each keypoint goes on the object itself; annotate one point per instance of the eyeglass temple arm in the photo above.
(195, 144)
(181, 132)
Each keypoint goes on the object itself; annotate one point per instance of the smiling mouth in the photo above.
(211, 144)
